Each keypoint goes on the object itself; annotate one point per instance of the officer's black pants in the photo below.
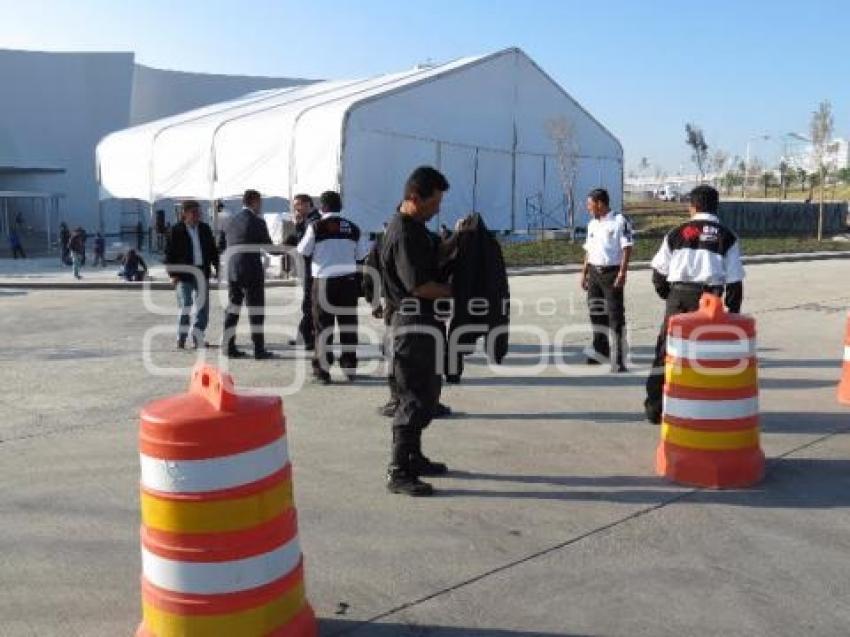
(306, 328)
(255, 296)
(418, 384)
(335, 303)
(679, 301)
(607, 312)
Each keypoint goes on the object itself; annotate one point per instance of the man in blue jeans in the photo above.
(190, 256)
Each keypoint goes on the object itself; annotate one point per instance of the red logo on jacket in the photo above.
(691, 233)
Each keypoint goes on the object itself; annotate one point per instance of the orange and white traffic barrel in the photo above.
(710, 420)
(220, 551)
(844, 385)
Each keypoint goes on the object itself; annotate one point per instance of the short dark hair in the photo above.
(704, 198)
(424, 181)
(330, 201)
(190, 204)
(250, 197)
(303, 197)
(599, 195)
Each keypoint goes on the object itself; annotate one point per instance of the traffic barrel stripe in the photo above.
(678, 347)
(213, 474)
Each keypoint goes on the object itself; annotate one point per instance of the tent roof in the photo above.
(126, 159)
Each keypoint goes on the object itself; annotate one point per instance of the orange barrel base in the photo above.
(302, 625)
(712, 469)
(844, 386)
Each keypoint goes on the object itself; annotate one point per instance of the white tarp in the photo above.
(484, 121)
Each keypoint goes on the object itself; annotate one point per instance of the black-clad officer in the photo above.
(608, 249)
(701, 255)
(410, 269)
(304, 214)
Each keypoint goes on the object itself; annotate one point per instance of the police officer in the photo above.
(410, 267)
(701, 255)
(608, 249)
(305, 214)
(335, 246)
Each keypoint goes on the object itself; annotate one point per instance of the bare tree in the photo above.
(820, 129)
(783, 178)
(696, 140)
(562, 133)
(643, 167)
(719, 159)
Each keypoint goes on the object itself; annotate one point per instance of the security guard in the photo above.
(410, 266)
(335, 246)
(701, 255)
(608, 249)
(305, 214)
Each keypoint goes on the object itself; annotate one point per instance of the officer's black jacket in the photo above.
(246, 228)
(477, 273)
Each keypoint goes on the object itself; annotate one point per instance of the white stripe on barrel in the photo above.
(213, 474)
(215, 578)
(710, 350)
(847, 353)
(711, 409)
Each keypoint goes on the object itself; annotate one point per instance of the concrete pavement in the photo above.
(552, 522)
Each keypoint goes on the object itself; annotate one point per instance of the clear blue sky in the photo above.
(644, 68)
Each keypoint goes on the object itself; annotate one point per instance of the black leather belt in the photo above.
(698, 287)
(605, 268)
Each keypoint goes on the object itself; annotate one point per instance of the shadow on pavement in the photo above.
(789, 484)
(334, 627)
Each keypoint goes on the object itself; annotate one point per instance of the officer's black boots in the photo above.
(406, 483)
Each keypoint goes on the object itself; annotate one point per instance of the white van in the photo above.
(667, 193)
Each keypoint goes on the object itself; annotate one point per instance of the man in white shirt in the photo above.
(701, 255)
(335, 246)
(608, 249)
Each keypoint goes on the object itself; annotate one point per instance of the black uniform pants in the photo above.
(680, 300)
(417, 383)
(255, 296)
(607, 312)
(306, 328)
(335, 303)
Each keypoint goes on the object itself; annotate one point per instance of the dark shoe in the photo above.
(442, 411)
(322, 379)
(264, 355)
(621, 369)
(653, 414)
(200, 343)
(592, 361)
(422, 465)
(181, 343)
(453, 379)
(235, 353)
(404, 483)
(388, 410)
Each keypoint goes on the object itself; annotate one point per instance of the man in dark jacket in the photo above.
(246, 236)
(190, 256)
(304, 214)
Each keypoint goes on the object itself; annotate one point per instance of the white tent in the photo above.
(485, 122)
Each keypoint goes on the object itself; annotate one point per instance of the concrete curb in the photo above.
(96, 285)
(644, 265)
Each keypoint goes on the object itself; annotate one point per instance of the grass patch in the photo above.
(563, 252)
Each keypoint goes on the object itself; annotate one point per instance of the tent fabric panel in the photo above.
(374, 184)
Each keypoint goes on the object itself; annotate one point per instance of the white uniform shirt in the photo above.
(700, 251)
(197, 255)
(606, 238)
(336, 251)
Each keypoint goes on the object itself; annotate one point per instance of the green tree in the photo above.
(699, 147)
(766, 179)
